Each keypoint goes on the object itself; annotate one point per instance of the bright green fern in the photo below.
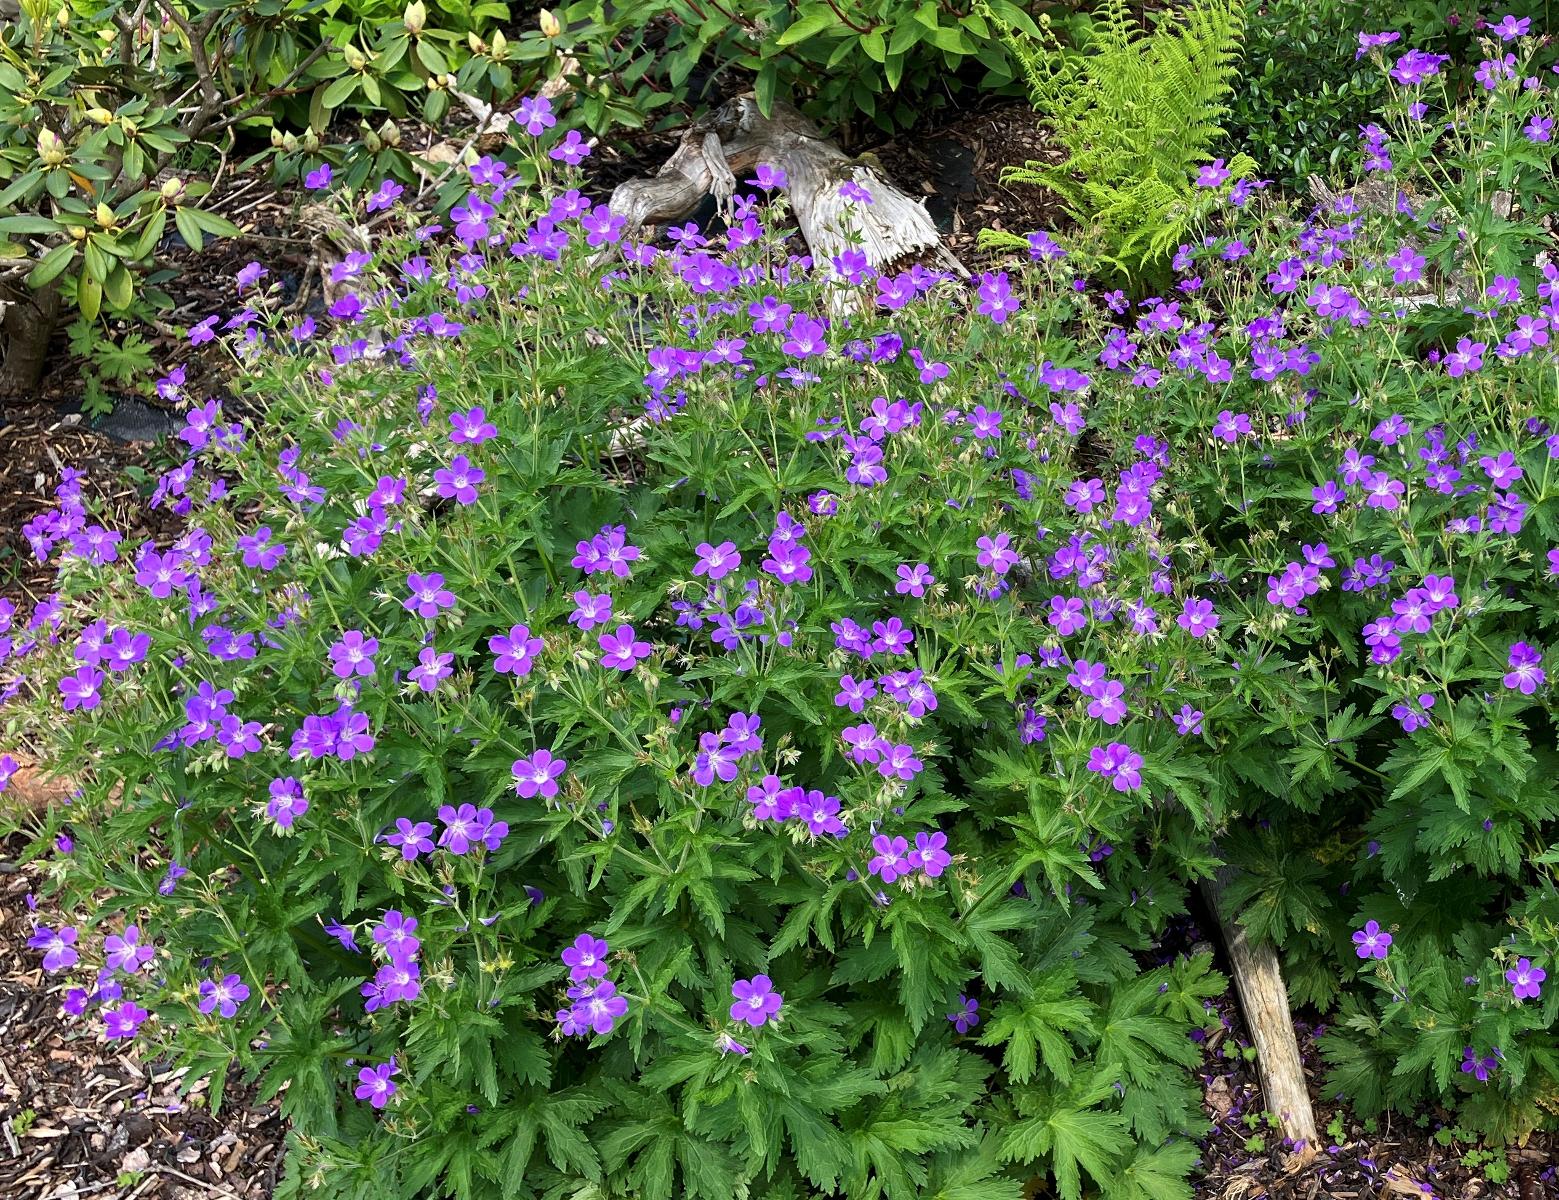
(1137, 113)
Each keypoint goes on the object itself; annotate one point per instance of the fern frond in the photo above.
(1135, 114)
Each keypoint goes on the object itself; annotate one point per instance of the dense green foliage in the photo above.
(1302, 94)
(1137, 112)
(845, 62)
(689, 721)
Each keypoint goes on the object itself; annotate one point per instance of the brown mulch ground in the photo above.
(81, 1117)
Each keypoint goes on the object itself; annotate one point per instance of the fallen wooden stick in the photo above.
(1258, 979)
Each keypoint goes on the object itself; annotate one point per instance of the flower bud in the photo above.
(172, 189)
(500, 45)
(275, 138)
(415, 17)
(372, 143)
(477, 45)
(311, 141)
(104, 215)
(50, 149)
(549, 23)
(289, 142)
(77, 233)
(389, 134)
(354, 57)
(100, 116)
(130, 127)
(62, 18)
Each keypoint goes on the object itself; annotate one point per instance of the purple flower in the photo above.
(890, 861)
(590, 611)
(913, 581)
(967, 1015)
(995, 553)
(431, 669)
(318, 179)
(621, 651)
(1526, 674)
(125, 1021)
(248, 275)
(224, 995)
(716, 561)
(463, 828)
(538, 774)
(58, 947)
(1188, 720)
(459, 480)
(1372, 941)
(1197, 617)
(353, 654)
(428, 595)
(586, 958)
(1119, 764)
(572, 150)
(397, 934)
(515, 652)
(930, 854)
(471, 427)
(534, 113)
(124, 952)
(1213, 174)
(1526, 980)
(80, 689)
(996, 299)
(756, 1001)
(597, 1008)
(1230, 426)
(287, 802)
(375, 1085)
(412, 839)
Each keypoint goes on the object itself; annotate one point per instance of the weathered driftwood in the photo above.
(1259, 981)
(893, 229)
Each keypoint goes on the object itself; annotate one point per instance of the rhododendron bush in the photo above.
(675, 719)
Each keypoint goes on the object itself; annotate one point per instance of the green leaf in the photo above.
(89, 296)
(812, 23)
(337, 93)
(119, 288)
(1157, 1173)
(52, 265)
(189, 227)
(1077, 1139)
(29, 223)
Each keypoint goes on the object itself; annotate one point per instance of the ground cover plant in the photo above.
(686, 720)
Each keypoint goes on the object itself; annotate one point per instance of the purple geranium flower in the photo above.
(756, 1001)
(967, 1015)
(622, 651)
(223, 995)
(586, 958)
(375, 1085)
(1526, 980)
(1372, 941)
(538, 774)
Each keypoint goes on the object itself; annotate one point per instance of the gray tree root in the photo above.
(893, 229)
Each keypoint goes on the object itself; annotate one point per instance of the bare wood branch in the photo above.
(1258, 979)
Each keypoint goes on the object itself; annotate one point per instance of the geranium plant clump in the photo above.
(689, 720)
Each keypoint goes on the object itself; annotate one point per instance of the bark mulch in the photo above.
(80, 1116)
